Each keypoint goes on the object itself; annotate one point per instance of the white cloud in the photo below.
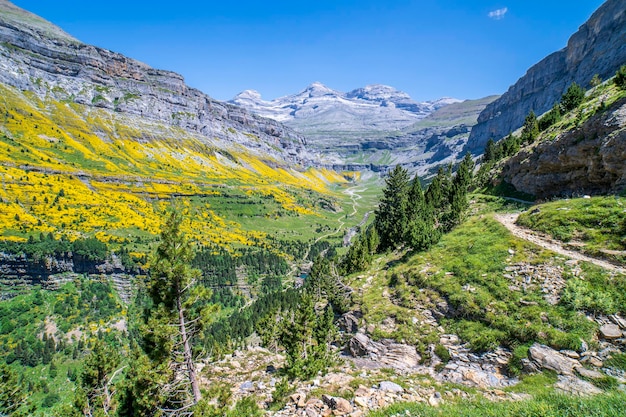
(498, 14)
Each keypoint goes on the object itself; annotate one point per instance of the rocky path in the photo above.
(509, 219)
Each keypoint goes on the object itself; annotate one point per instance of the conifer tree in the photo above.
(572, 98)
(490, 151)
(419, 231)
(306, 337)
(391, 218)
(530, 131)
(12, 393)
(179, 307)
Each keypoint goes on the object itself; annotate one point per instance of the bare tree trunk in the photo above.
(191, 369)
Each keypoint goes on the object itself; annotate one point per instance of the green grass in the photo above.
(596, 224)
(548, 405)
(466, 270)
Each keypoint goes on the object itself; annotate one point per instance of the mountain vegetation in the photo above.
(164, 254)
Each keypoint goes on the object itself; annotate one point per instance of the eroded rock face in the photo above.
(587, 160)
(599, 47)
(41, 58)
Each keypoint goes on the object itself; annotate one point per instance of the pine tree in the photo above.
(306, 337)
(419, 231)
(96, 392)
(572, 98)
(530, 131)
(490, 151)
(178, 307)
(12, 393)
(391, 221)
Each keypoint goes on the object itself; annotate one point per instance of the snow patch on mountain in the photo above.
(320, 110)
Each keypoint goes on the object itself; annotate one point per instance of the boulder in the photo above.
(387, 352)
(548, 358)
(610, 331)
(339, 405)
(576, 386)
(390, 386)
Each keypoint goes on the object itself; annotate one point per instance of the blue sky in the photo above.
(430, 49)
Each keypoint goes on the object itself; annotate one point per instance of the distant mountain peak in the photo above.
(248, 94)
(317, 89)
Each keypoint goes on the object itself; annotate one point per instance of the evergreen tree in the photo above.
(530, 131)
(620, 77)
(391, 221)
(572, 98)
(437, 195)
(12, 393)
(178, 307)
(419, 231)
(306, 337)
(96, 392)
(490, 151)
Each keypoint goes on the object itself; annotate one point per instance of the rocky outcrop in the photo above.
(41, 58)
(586, 160)
(599, 47)
(18, 271)
(386, 352)
(548, 358)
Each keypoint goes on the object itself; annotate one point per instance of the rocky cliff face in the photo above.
(587, 160)
(39, 57)
(599, 47)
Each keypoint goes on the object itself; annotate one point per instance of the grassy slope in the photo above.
(118, 177)
(595, 225)
(467, 269)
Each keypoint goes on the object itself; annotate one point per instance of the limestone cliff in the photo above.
(39, 57)
(586, 160)
(599, 47)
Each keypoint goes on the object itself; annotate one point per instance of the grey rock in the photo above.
(247, 386)
(589, 373)
(386, 352)
(598, 47)
(610, 331)
(576, 386)
(390, 386)
(338, 404)
(548, 358)
(349, 322)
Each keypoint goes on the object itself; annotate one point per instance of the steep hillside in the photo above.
(599, 47)
(583, 153)
(98, 144)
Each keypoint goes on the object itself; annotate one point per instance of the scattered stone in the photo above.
(390, 386)
(361, 402)
(610, 331)
(247, 386)
(619, 321)
(596, 362)
(570, 354)
(576, 386)
(435, 399)
(549, 358)
(589, 373)
(338, 404)
(386, 352)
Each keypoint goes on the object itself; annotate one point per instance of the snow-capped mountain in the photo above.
(320, 112)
